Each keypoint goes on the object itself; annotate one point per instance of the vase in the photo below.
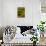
(34, 43)
(42, 34)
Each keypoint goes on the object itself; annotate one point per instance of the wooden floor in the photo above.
(42, 41)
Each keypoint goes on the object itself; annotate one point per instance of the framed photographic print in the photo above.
(20, 12)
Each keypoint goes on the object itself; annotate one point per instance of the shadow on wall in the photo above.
(1, 32)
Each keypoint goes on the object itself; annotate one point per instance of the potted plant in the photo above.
(41, 27)
(34, 39)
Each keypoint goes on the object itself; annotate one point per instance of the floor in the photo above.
(43, 41)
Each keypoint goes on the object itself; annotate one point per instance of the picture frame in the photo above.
(20, 12)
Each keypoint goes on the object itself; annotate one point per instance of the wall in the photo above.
(1, 18)
(43, 10)
(9, 12)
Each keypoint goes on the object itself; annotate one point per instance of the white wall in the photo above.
(1, 18)
(36, 7)
(9, 12)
